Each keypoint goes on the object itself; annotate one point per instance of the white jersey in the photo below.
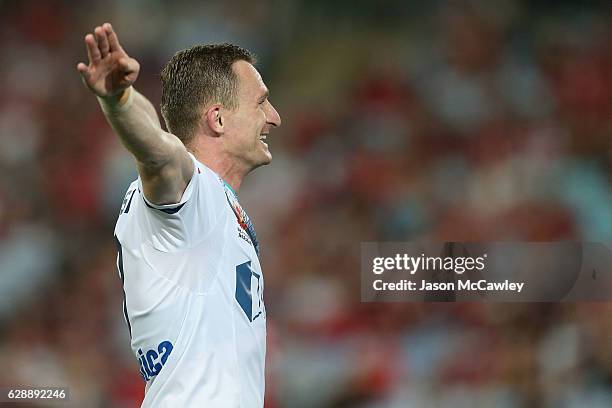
(193, 296)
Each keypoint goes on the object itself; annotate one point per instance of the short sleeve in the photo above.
(182, 225)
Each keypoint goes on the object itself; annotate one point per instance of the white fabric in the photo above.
(180, 272)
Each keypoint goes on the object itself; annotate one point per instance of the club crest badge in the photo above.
(241, 215)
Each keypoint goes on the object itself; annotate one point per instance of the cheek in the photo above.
(253, 120)
(245, 128)
(238, 128)
(261, 115)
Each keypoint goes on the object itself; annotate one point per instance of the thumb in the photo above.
(83, 70)
(129, 65)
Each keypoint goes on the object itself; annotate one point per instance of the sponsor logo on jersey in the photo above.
(152, 361)
(244, 236)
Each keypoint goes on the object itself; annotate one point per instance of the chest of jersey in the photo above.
(249, 281)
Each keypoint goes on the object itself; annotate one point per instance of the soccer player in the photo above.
(187, 251)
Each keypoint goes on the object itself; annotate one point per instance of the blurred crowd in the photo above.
(402, 121)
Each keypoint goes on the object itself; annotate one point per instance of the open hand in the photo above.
(110, 70)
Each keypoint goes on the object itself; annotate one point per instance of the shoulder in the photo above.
(207, 176)
(173, 226)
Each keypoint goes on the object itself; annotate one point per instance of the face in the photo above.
(246, 127)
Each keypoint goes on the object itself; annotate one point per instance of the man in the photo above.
(187, 252)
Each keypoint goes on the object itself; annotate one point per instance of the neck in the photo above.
(224, 166)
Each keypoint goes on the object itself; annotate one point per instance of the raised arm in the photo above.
(164, 165)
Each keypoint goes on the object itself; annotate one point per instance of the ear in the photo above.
(214, 118)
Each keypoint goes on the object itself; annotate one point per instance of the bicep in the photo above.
(165, 181)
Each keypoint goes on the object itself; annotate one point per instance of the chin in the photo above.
(263, 161)
(266, 158)
(267, 161)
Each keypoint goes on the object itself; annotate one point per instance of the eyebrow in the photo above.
(265, 95)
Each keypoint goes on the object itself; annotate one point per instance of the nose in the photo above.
(272, 116)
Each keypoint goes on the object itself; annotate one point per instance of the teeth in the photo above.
(263, 137)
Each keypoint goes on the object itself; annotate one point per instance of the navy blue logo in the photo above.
(249, 291)
(152, 361)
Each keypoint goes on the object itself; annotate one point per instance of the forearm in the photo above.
(164, 165)
(135, 121)
(142, 102)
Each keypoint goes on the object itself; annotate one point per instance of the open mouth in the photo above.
(262, 139)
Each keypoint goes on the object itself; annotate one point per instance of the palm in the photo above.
(110, 69)
(106, 75)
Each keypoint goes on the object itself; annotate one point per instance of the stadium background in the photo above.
(479, 120)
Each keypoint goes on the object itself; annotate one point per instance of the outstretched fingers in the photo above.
(113, 41)
(109, 69)
(102, 41)
(92, 49)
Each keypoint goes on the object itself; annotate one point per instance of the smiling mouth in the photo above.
(262, 139)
